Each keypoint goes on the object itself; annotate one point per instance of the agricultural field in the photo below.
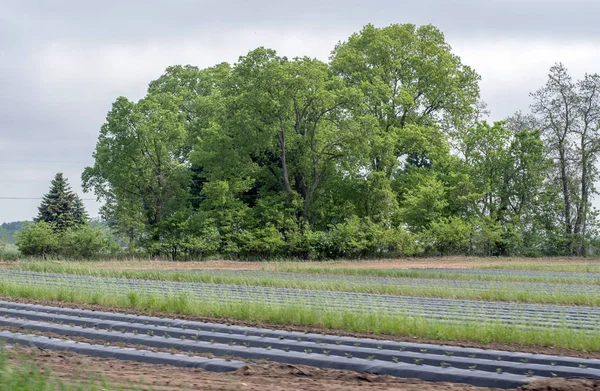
(424, 324)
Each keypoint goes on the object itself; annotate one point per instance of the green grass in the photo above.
(365, 320)
(427, 290)
(9, 252)
(561, 267)
(19, 372)
(416, 273)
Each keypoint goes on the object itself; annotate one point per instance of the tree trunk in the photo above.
(283, 158)
(580, 222)
(307, 195)
(583, 208)
(565, 189)
(308, 192)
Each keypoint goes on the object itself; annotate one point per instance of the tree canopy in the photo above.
(383, 150)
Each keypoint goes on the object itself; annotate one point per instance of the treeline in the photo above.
(8, 230)
(381, 151)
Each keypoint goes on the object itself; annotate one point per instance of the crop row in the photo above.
(531, 273)
(586, 277)
(432, 285)
(443, 284)
(365, 320)
(334, 274)
(429, 362)
(147, 356)
(532, 315)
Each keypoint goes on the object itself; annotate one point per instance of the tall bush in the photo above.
(37, 239)
(86, 242)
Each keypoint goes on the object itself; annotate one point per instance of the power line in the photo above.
(25, 180)
(44, 161)
(38, 198)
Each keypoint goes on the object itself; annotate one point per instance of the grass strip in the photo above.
(359, 321)
(341, 268)
(588, 268)
(432, 290)
(21, 372)
(416, 273)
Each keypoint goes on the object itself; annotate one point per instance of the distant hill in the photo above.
(8, 230)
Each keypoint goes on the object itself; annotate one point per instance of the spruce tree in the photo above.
(61, 207)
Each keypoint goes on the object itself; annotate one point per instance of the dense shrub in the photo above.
(37, 239)
(41, 240)
(448, 236)
(86, 242)
(266, 241)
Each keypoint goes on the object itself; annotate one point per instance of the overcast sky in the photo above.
(63, 62)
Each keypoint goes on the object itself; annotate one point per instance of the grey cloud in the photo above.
(63, 62)
(141, 20)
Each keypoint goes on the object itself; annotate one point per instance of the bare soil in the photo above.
(496, 346)
(74, 368)
(77, 369)
(433, 262)
(563, 385)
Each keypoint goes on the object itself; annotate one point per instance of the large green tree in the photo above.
(409, 77)
(381, 150)
(293, 118)
(507, 170)
(416, 93)
(141, 169)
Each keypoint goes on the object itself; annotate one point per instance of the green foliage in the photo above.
(21, 372)
(42, 240)
(266, 241)
(381, 151)
(448, 236)
(37, 239)
(359, 238)
(412, 83)
(8, 230)
(205, 241)
(140, 164)
(489, 237)
(61, 207)
(424, 203)
(9, 252)
(86, 242)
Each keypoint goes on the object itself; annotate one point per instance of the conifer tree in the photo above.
(61, 207)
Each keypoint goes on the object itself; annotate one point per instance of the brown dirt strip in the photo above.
(563, 385)
(495, 345)
(74, 368)
(78, 369)
(432, 262)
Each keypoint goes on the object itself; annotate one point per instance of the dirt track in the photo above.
(444, 262)
(73, 368)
